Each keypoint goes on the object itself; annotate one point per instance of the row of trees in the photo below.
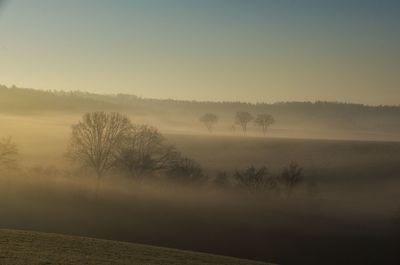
(260, 179)
(110, 141)
(242, 118)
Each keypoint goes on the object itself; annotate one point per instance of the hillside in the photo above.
(24, 248)
(294, 119)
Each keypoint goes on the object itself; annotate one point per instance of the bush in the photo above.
(291, 176)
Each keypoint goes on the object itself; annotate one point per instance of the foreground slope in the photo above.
(22, 247)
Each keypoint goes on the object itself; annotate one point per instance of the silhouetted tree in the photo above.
(96, 139)
(8, 152)
(187, 171)
(209, 120)
(254, 179)
(264, 121)
(243, 118)
(291, 176)
(143, 151)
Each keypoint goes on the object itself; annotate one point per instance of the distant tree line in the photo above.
(320, 114)
(242, 118)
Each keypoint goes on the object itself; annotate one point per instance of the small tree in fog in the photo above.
(254, 179)
(209, 120)
(143, 150)
(291, 176)
(8, 152)
(96, 139)
(242, 118)
(264, 121)
(186, 171)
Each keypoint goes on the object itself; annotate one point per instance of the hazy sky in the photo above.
(248, 50)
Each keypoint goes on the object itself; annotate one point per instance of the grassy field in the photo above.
(23, 248)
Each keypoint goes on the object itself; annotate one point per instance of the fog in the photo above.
(301, 228)
(309, 120)
(343, 212)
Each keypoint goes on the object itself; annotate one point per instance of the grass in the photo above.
(24, 247)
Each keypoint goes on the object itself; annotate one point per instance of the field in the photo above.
(22, 247)
(343, 213)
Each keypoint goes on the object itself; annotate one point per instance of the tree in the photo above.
(243, 118)
(291, 176)
(209, 120)
(254, 179)
(96, 139)
(143, 151)
(8, 152)
(186, 171)
(264, 121)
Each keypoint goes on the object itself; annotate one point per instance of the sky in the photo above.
(233, 50)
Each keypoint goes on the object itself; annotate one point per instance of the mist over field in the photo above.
(348, 197)
(312, 120)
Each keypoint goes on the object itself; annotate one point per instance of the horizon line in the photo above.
(206, 101)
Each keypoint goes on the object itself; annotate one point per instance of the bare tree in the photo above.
(143, 150)
(243, 118)
(8, 152)
(264, 121)
(96, 139)
(209, 120)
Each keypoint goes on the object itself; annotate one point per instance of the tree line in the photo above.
(242, 119)
(320, 114)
